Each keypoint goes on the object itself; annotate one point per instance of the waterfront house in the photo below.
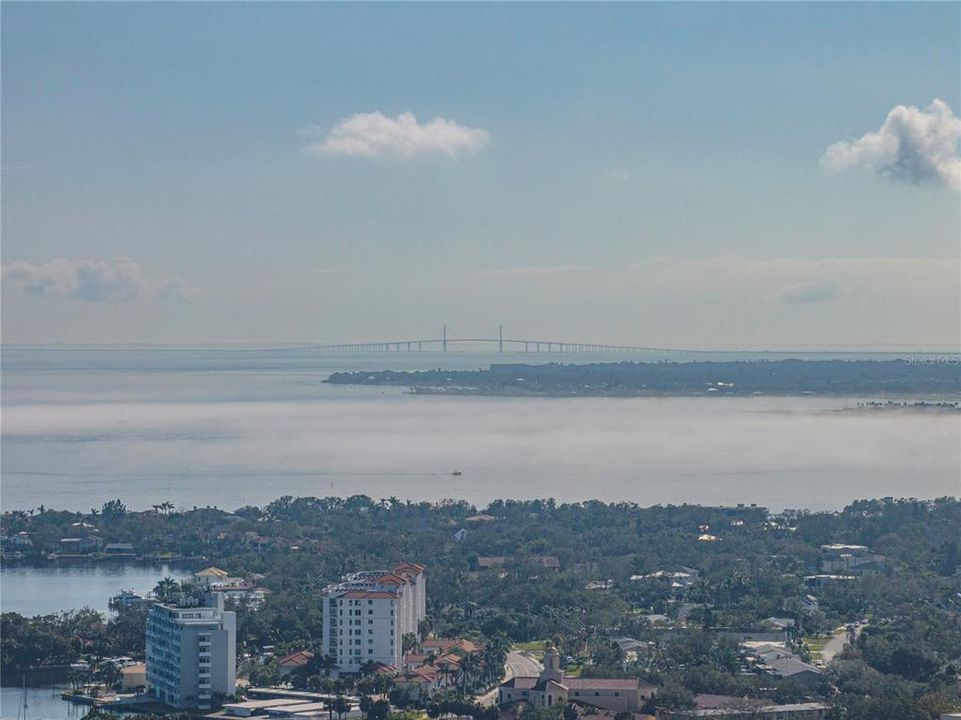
(119, 550)
(214, 576)
(133, 677)
(82, 545)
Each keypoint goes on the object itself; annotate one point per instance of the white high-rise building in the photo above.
(368, 613)
(191, 653)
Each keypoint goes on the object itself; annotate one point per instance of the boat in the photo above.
(457, 473)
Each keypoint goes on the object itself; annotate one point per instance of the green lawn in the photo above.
(816, 644)
(531, 646)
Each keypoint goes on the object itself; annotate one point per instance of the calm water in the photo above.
(42, 704)
(231, 427)
(44, 590)
(39, 591)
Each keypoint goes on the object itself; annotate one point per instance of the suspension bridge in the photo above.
(496, 342)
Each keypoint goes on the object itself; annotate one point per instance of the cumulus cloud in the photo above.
(913, 144)
(377, 135)
(120, 278)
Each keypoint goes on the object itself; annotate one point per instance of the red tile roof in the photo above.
(439, 643)
(601, 683)
(391, 579)
(297, 659)
(522, 683)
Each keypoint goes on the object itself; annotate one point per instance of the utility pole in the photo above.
(445, 337)
(500, 339)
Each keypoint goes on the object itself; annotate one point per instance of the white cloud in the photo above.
(377, 135)
(94, 280)
(913, 144)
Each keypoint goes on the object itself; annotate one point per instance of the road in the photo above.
(519, 664)
(838, 642)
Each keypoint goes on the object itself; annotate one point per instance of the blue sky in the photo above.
(639, 173)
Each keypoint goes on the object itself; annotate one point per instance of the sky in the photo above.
(685, 175)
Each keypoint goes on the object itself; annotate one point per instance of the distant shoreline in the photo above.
(835, 378)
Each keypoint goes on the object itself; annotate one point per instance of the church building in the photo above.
(552, 687)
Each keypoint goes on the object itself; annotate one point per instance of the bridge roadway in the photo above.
(502, 344)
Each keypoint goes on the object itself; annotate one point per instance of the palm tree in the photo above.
(469, 665)
(341, 706)
(165, 589)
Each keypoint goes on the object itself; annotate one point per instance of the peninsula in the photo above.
(627, 379)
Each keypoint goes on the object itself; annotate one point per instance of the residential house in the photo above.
(490, 563)
(82, 545)
(679, 576)
(294, 661)
(855, 560)
(212, 577)
(133, 677)
(777, 661)
(480, 518)
(119, 550)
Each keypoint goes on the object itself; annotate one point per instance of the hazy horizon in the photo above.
(197, 428)
(673, 175)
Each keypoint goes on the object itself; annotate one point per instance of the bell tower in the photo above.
(552, 665)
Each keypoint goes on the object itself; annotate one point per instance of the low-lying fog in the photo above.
(780, 452)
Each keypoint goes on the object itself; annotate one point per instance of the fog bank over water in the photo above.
(194, 431)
